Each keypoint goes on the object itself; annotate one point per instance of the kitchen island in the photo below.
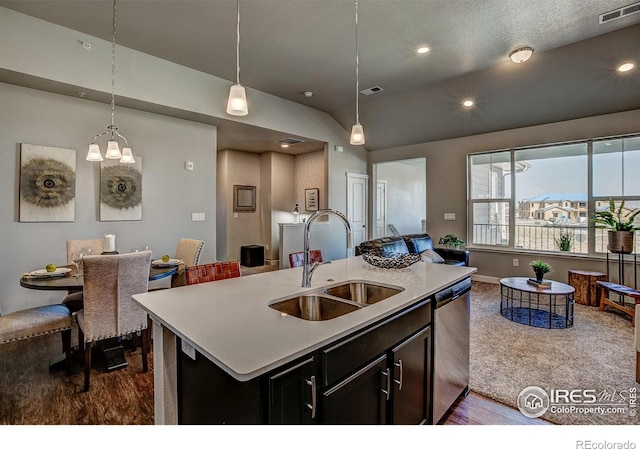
(229, 326)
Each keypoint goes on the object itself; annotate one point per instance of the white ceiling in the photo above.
(288, 47)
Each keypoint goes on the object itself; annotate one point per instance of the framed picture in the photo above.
(244, 198)
(120, 190)
(311, 199)
(47, 183)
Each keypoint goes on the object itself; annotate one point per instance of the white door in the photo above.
(357, 207)
(381, 208)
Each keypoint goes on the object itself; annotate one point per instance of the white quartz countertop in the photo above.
(231, 324)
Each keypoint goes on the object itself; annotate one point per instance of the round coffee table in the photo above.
(523, 303)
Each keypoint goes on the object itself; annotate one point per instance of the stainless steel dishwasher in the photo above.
(451, 320)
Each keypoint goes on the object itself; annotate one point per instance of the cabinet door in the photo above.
(411, 380)
(293, 396)
(361, 398)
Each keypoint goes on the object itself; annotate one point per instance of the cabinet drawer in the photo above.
(348, 355)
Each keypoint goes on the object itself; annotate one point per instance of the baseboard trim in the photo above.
(487, 279)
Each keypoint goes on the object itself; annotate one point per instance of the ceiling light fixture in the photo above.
(467, 103)
(113, 149)
(237, 104)
(357, 132)
(423, 50)
(520, 55)
(626, 67)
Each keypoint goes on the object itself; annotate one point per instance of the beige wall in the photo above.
(169, 193)
(281, 175)
(446, 184)
(310, 173)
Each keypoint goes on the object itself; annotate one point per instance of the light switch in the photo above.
(449, 216)
(188, 165)
(197, 216)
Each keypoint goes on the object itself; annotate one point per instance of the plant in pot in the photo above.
(540, 268)
(451, 241)
(621, 225)
(564, 241)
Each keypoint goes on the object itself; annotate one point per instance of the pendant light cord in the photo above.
(357, 69)
(238, 44)
(113, 68)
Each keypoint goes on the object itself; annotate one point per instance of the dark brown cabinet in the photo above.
(293, 394)
(360, 398)
(411, 379)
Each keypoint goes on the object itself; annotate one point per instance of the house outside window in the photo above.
(550, 194)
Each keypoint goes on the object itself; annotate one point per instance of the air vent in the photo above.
(289, 141)
(372, 90)
(620, 13)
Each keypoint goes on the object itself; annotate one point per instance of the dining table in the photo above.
(72, 283)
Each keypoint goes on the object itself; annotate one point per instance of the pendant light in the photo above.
(357, 133)
(237, 104)
(113, 149)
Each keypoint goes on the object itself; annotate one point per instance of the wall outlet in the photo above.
(266, 247)
(197, 216)
(188, 165)
(516, 262)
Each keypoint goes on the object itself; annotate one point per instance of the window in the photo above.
(490, 194)
(546, 204)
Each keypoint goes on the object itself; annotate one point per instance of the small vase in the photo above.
(539, 276)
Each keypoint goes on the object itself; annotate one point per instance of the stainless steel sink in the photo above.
(362, 292)
(314, 307)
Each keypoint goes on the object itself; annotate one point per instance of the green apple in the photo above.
(50, 268)
(165, 258)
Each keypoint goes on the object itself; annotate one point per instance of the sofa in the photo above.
(414, 243)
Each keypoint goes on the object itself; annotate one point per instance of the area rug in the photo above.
(591, 364)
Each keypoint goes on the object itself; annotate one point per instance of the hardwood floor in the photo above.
(479, 410)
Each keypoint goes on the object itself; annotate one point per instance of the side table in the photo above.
(585, 283)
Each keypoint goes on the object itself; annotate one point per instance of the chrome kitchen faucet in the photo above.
(307, 272)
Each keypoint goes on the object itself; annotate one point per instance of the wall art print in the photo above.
(47, 183)
(120, 190)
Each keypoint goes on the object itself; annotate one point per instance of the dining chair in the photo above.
(210, 272)
(297, 259)
(96, 245)
(110, 281)
(189, 251)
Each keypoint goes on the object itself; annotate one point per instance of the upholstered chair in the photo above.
(109, 310)
(36, 321)
(210, 272)
(189, 251)
(297, 259)
(96, 246)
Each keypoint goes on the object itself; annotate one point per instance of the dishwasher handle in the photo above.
(449, 294)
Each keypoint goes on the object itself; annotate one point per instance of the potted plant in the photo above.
(564, 241)
(540, 268)
(621, 226)
(451, 240)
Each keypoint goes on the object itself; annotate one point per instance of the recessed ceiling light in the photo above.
(284, 145)
(627, 66)
(467, 103)
(520, 55)
(422, 50)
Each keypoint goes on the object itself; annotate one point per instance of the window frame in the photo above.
(512, 203)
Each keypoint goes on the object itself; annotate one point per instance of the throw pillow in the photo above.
(430, 255)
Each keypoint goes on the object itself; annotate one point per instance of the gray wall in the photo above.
(447, 185)
(406, 195)
(170, 193)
